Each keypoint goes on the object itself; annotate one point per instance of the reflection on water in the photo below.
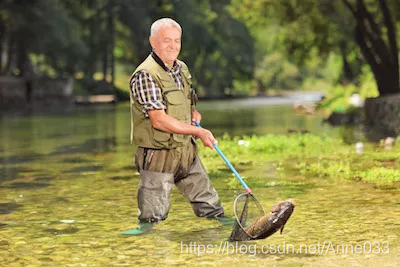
(6, 208)
(101, 145)
(26, 185)
(238, 118)
(68, 188)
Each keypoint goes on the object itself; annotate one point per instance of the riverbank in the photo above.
(309, 155)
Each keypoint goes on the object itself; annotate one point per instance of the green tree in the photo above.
(84, 38)
(375, 34)
(329, 26)
(40, 27)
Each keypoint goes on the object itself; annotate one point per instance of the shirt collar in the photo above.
(161, 63)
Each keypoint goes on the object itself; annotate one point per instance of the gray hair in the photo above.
(163, 22)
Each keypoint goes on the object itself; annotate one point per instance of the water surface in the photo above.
(68, 188)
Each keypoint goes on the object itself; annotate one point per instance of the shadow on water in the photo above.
(69, 230)
(223, 172)
(15, 159)
(100, 145)
(129, 168)
(26, 185)
(76, 160)
(84, 169)
(124, 178)
(7, 208)
(61, 200)
(43, 178)
(12, 173)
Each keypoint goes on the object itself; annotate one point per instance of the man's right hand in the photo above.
(207, 138)
(161, 121)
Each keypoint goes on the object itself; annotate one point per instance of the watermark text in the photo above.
(325, 247)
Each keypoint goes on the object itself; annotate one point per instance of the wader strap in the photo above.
(144, 158)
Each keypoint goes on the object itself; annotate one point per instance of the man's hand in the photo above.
(196, 116)
(207, 138)
(161, 121)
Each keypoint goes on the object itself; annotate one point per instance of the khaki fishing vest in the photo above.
(178, 106)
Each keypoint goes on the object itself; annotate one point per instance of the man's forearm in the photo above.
(161, 121)
(164, 122)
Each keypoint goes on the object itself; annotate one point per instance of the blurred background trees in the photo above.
(233, 47)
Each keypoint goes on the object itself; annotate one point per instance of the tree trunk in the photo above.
(393, 47)
(348, 75)
(382, 57)
(22, 58)
(26, 69)
(105, 59)
(2, 41)
(111, 25)
(92, 62)
(93, 40)
(109, 41)
(10, 56)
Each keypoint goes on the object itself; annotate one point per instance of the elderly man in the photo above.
(162, 112)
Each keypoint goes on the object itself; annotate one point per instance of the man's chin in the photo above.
(172, 60)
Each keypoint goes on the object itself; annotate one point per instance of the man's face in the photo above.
(166, 44)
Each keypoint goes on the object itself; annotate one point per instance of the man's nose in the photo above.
(174, 45)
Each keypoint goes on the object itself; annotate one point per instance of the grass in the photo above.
(311, 155)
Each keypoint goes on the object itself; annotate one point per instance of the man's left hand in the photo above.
(196, 116)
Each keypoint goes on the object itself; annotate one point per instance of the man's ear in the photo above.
(151, 40)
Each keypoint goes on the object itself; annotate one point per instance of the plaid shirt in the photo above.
(147, 92)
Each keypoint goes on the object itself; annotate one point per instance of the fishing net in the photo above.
(247, 211)
(253, 223)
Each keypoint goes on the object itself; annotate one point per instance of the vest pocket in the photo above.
(177, 107)
(167, 82)
(180, 138)
(161, 136)
(176, 104)
(174, 97)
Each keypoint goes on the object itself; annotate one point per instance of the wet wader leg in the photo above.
(197, 188)
(153, 195)
(156, 182)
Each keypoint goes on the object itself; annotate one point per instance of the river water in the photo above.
(68, 188)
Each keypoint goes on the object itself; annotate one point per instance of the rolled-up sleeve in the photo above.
(146, 92)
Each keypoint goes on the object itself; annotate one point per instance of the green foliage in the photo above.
(288, 145)
(241, 88)
(377, 166)
(322, 168)
(304, 24)
(307, 30)
(46, 29)
(380, 176)
(351, 169)
(218, 46)
(233, 48)
(274, 72)
(295, 45)
(337, 98)
(308, 155)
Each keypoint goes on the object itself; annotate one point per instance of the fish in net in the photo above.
(253, 223)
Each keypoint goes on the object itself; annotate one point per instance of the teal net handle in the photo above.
(248, 190)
